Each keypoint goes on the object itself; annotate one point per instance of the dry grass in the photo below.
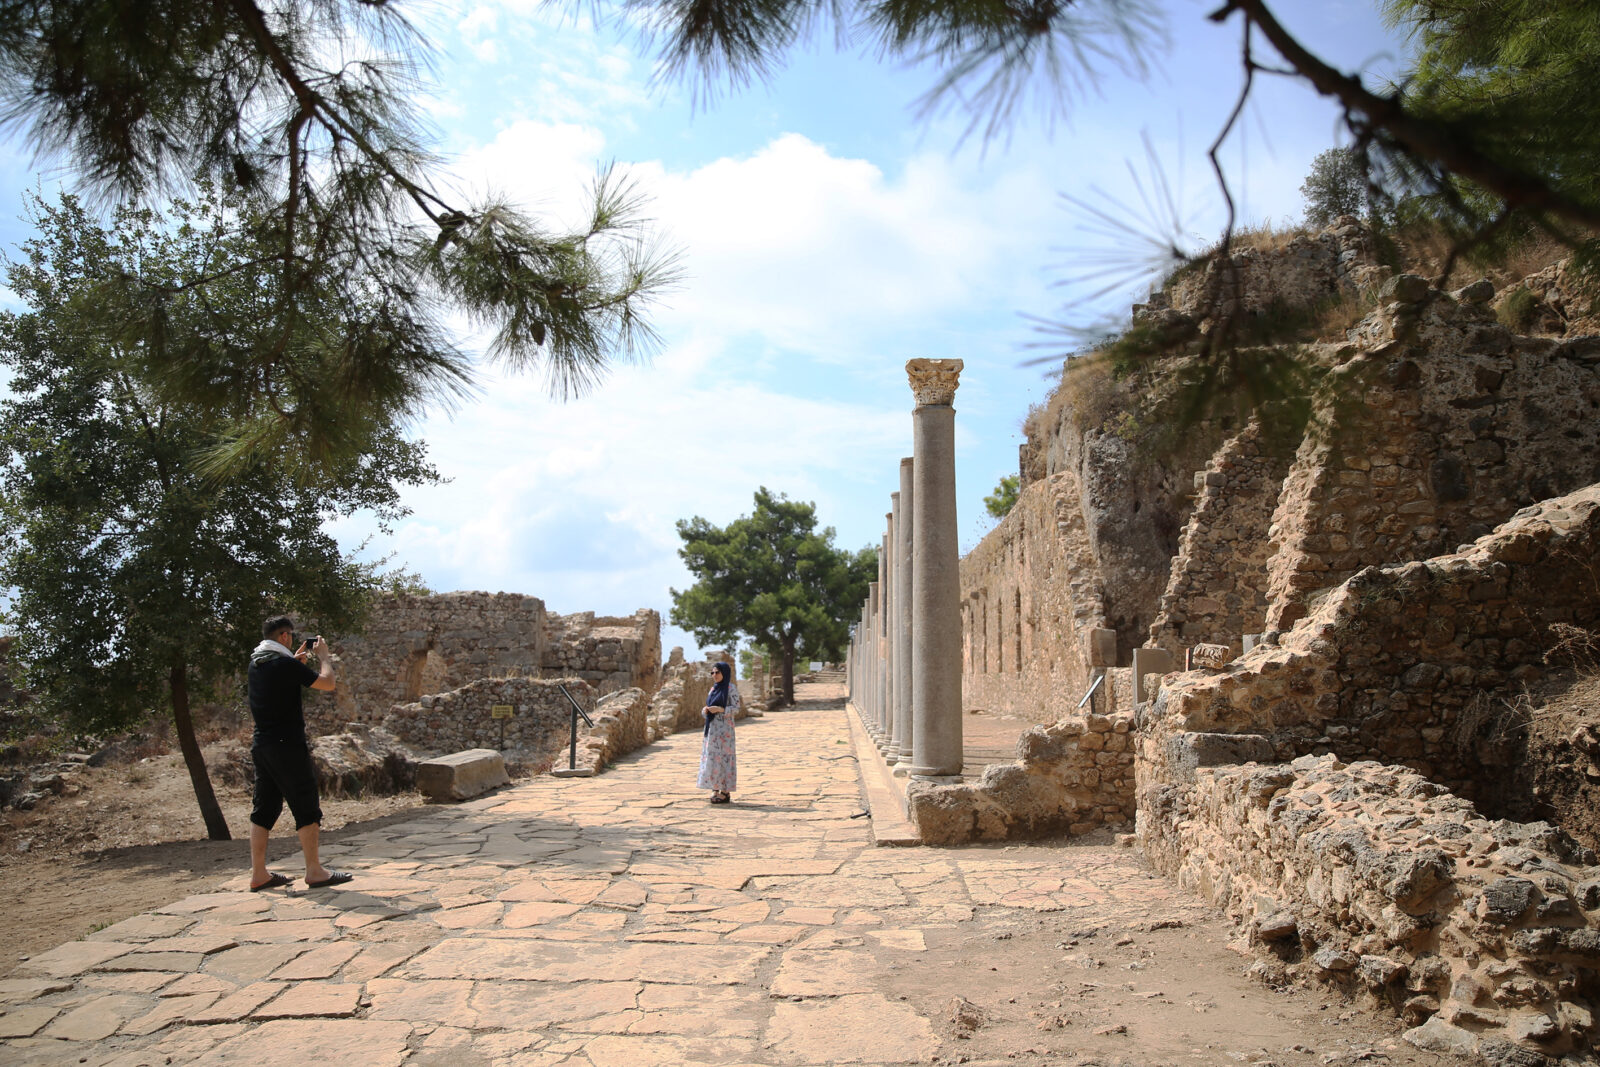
(1425, 250)
(1088, 391)
(1335, 319)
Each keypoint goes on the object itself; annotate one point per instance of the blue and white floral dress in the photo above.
(719, 766)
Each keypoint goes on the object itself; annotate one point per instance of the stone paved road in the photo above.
(589, 923)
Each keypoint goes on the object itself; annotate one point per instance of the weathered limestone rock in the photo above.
(1387, 666)
(621, 725)
(363, 760)
(462, 775)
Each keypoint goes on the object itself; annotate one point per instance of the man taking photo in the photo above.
(281, 753)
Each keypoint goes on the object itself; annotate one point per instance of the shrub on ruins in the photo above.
(313, 110)
(1336, 185)
(1000, 502)
(139, 576)
(774, 578)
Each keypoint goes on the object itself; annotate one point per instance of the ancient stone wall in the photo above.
(1217, 591)
(1028, 590)
(1406, 663)
(1123, 501)
(429, 644)
(462, 718)
(1439, 425)
(608, 652)
(1484, 934)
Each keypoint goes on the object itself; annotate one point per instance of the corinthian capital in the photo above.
(934, 381)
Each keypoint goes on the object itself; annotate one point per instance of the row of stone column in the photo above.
(904, 668)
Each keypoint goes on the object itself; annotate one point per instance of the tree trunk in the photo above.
(788, 673)
(210, 810)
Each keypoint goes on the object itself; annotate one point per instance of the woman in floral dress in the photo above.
(719, 768)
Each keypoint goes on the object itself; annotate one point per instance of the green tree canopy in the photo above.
(136, 575)
(1335, 186)
(1519, 83)
(310, 109)
(775, 579)
(1000, 502)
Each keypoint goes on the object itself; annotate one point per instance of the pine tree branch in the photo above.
(1441, 144)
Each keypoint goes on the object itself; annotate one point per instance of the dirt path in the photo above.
(623, 920)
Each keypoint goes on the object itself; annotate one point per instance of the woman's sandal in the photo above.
(720, 798)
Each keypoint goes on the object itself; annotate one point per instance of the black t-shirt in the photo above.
(275, 686)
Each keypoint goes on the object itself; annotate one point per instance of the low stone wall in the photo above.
(462, 718)
(621, 725)
(1374, 878)
(1071, 777)
(608, 652)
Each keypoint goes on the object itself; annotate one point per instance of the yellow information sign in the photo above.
(501, 711)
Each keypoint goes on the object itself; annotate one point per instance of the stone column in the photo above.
(935, 572)
(886, 746)
(850, 671)
(901, 751)
(885, 631)
(874, 599)
(862, 630)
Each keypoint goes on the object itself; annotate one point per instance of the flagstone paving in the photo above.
(622, 920)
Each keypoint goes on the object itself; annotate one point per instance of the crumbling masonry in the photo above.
(1375, 595)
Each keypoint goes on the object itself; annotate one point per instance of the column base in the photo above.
(936, 778)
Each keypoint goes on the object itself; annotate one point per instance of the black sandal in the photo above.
(720, 798)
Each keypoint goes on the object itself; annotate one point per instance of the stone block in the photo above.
(1100, 647)
(1188, 752)
(462, 775)
(1147, 661)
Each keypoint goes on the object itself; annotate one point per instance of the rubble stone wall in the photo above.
(608, 652)
(621, 725)
(1071, 777)
(1311, 269)
(462, 718)
(1438, 428)
(1217, 591)
(429, 644)
(1482, 933)
(1406, 663)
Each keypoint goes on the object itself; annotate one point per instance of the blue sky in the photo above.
(828, 235)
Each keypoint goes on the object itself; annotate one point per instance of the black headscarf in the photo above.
(718, 697)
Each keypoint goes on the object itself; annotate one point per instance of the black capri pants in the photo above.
(284, 773)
